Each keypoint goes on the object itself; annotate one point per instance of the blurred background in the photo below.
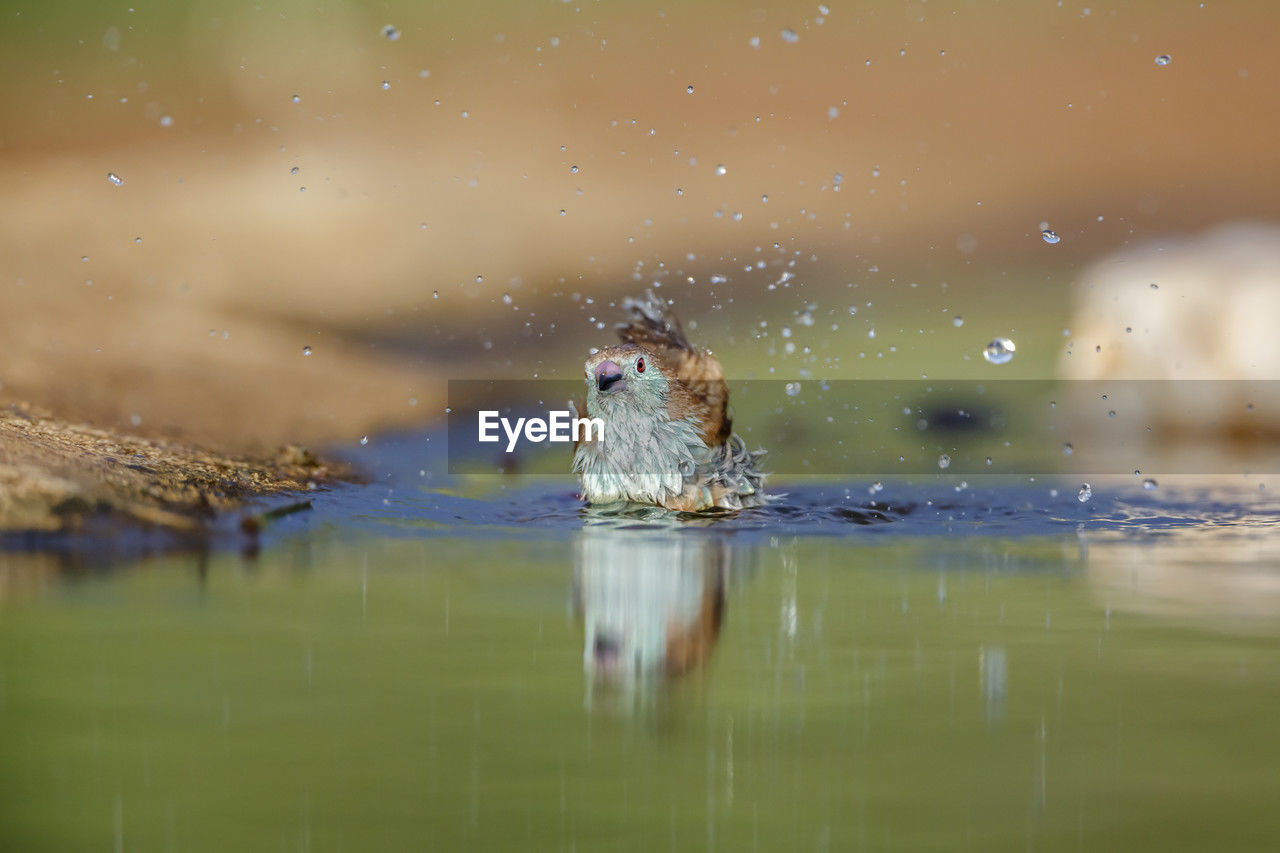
(254, 223)
(248, 224)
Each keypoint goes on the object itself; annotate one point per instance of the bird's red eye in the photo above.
(639, 365)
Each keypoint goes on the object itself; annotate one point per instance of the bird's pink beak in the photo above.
(609, 375)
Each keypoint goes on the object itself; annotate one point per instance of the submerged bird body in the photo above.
(667, 440)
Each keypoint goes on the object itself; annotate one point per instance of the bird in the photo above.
(667, 438)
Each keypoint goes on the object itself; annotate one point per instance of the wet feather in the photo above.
(668, 439)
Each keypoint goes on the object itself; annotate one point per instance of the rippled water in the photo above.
(454, 663)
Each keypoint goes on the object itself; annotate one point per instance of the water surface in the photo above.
(447, 664)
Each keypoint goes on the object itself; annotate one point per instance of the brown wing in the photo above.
(700, 387)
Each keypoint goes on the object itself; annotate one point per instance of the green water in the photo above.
(346, 690)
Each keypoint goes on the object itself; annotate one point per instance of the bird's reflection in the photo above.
(651, 602)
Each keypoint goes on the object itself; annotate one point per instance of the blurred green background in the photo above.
(867, 693)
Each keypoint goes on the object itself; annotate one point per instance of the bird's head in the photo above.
(625, 376)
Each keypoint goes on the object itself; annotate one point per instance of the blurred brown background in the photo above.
(462, 195)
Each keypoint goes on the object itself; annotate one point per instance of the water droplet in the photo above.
(754, 41)
(166, 121)
(306, 350)
(944, 461)
(1067, 449)
(296, 99)
(506, 298)
(853, 309)
(1050, 237)
(573, 169)
(386, 84)
(390, 33)
(435, 294)
(764, 199)
(1155, 286)
(877, 486)
(1085, 493)
(958, 321)
(790, 36)
(689, 90)
(115, 179)
(1164, 59)
(364, 439)
(792, 389)
(1150, 485)
(293, 171)
(721, 170)
(999, 351)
